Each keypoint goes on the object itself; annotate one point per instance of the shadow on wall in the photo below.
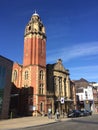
(20, 101)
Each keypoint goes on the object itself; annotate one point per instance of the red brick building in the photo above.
(32, 74)
(32, 90)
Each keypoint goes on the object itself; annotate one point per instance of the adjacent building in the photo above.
(60, 89)
(5, 86)
(86, 99)
(95, 95)
(87, 95)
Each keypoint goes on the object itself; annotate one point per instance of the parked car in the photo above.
(84, 113)
(74, 113)
(90, 112)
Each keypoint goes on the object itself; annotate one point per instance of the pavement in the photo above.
(18, 123)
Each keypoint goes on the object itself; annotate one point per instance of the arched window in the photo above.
(60, 86)
(41, 90)
(15, 75)
(26, 75)
(41, 106)
(41, 75)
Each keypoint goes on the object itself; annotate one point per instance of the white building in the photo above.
(95, 95)
(85, 93)
(85, 96)
(95, 85)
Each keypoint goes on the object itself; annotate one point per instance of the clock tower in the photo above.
(34, 62)
(35, 42)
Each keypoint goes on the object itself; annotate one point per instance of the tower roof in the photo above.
(35, 26)
(35, 14)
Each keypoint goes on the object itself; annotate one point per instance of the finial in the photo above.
(35, 13)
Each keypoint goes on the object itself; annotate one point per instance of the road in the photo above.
(82, 123)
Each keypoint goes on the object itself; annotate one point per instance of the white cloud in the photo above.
(88, 72)
(92, 68)
(78, 51)
(74, 51)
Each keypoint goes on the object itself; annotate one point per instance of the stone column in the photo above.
(67, 87)
(63, 87)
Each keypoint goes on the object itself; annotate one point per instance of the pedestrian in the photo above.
(57, 115)
(63, 114)
(49, 113)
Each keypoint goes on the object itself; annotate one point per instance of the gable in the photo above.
(59, 67)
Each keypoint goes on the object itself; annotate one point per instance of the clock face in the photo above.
(35, 27)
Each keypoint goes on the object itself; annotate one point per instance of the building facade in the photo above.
(87, 94)
(95, 95)
(60, 89)
(86, 99)
(37, 88)
(32, 74)
(5, 86)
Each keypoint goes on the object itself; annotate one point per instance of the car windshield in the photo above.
(75, 110)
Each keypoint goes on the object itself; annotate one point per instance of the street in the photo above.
(82, 123)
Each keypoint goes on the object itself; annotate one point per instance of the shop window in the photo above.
(15, 74)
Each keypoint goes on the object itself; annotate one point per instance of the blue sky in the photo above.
(71, 29)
